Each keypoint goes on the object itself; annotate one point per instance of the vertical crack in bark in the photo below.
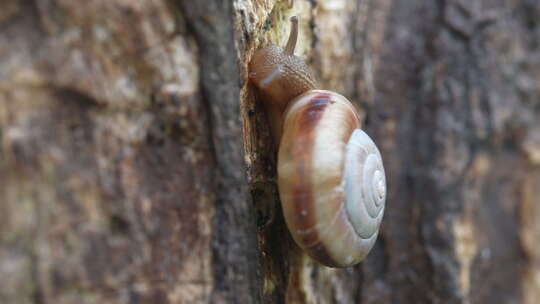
(234, 244)
(434, 245)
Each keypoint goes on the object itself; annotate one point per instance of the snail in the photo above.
(331, 179)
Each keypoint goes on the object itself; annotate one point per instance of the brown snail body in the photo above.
(330, 175)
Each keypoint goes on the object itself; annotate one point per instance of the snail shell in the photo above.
(331, 178)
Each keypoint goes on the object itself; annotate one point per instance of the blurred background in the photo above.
(136, 163)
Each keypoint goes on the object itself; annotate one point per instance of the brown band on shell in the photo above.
(311, 114)
(302, 199)
(315, 122)
(335, 231)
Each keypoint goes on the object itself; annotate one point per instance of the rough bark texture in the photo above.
(136, 165)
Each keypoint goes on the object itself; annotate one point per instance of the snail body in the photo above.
(330, 174)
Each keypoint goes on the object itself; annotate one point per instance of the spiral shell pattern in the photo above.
(332, 211)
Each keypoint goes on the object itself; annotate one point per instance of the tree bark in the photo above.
(137, 166)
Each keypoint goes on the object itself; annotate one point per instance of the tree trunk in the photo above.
(135, 159)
